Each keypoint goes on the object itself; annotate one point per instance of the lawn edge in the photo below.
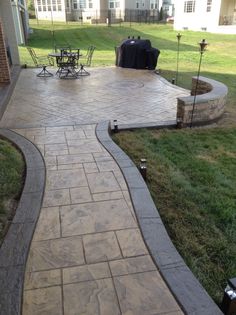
(16, 244)
(189, 293)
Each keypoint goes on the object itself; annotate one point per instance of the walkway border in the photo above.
(189, 293)
(16, 244)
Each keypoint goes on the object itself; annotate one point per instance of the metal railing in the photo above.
(227, 20)
(113, 16)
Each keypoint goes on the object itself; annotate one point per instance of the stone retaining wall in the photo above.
(209, 106)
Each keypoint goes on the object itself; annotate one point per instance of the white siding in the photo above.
(200, 19)
(9, 29)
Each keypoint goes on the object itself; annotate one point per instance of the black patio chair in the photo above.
(41, 62)
(87, 61)
(68, 63)
(59, 47)
(75, 52)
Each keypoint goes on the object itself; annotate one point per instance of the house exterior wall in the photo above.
(5, 77)
(228, 12)
(198, 20)
(6, 16)
(223, 12)
(99, 11)
(43, 12)
(227, 7)
(20, 17)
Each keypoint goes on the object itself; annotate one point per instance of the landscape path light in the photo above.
(115, 125)
(228, 305)
(143, 168)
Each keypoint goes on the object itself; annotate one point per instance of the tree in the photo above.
(161, 14)
(30, 5)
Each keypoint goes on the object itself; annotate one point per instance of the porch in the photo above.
(228, 13)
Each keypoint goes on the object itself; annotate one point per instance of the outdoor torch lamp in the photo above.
(178, 36)
(203, 44)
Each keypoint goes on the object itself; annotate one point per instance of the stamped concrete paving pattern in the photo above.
(128, 95)
(87, 255)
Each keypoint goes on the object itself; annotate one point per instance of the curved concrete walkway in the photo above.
(87, 255)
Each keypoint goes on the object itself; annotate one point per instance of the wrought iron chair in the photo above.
(87, 63)
(59, 47)
(41, 61)
(75, 52)
(68, 63)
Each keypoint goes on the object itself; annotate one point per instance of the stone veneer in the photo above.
(210, 102)
(4, 66)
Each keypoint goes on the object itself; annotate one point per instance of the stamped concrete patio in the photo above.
(87, 255)
(128, 95)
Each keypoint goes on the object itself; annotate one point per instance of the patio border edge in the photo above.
(15, 247)
(189, 293)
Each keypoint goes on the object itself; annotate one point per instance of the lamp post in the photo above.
(203, 44)
(52, 22)
(177, 69)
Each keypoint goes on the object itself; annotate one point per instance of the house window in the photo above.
(82, 4)
(114, 4)
(75, 5)
(90, 4)
(189, 6)
(209, 4)
(137, 5)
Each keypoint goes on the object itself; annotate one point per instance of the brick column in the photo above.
(5, 76)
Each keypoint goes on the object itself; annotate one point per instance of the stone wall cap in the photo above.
(219, 89)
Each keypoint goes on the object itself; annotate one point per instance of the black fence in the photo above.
(109, 17)
(227, 20)
(114, 16)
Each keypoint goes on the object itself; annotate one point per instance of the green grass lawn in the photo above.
(11, 182)
(191, 176)
(219, 62)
